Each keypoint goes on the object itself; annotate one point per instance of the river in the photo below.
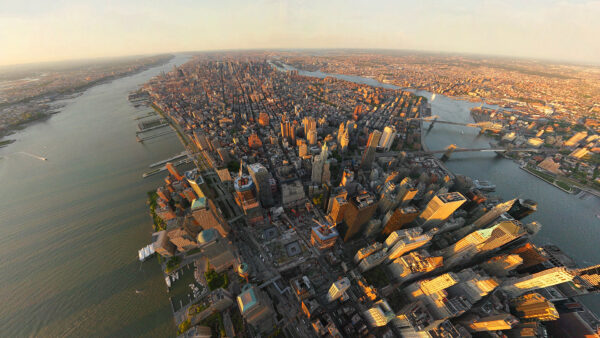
(70, 227)
(567, 221)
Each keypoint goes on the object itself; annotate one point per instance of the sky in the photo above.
(44, 30)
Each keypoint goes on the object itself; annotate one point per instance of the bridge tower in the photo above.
(432, 123)
(448, 152)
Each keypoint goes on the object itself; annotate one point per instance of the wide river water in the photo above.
(70, 227)
(568, 221)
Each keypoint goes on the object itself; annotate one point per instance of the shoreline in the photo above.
(66, 94)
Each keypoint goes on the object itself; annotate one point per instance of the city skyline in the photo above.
(36, 32)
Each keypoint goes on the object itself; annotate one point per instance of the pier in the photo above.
(142, 139)
(170, 159)
(163, 168)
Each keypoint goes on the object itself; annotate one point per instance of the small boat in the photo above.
(598, 216)
(484, 185)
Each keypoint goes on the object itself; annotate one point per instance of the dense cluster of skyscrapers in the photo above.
(316, 183)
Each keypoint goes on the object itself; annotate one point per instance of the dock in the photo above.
(163, 168)
(170, 159)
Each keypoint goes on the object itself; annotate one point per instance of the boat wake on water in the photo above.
(34, 156)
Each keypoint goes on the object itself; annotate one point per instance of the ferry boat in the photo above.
(484, 185)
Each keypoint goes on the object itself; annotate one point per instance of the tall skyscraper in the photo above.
(369, 154)
(360, 209)
(173, 171)
(534, 306)
(399, 218)
(522, 208)
(208, 216)
(538, 280)
(318, 163)
(311, 137)
(196, 182)
(260, 177)
(387, 138)
(591, 277)
(493, 214)
(256, 308)
(245, 197)
(440, 208)
(380, 314)
(439, 283)
(338, 209)
(338, 288)
(503, 233)
(309, 123)
(502, 265)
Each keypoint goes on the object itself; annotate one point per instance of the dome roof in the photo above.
(207, 236)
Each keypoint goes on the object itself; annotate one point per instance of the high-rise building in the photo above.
(414, 264)
(387, 138)
(534, 306)
(440, 208)
(337, 289)
(360, 209)
(302, 150)
(399, 218)
(503, 233)
(502, 265)
(387, 198)
(254, 141)
(541, 279)
(338, 209)
(591, 277)
(522, 208)
(318, 163)
(575, 139)
(398, 235)
(311, 137)
(196, 181)
(380, 314)
(504, 321)
(493, 214)
(369, 154)
(408, 244)
(216, 249)
(367, 251)
(208, 216)
(173, 171)
(260, 177)
(245, 197)
(373, 260)
(323, 237)
(439, 283)
(263, 119)
(256, 308)
(309, 123)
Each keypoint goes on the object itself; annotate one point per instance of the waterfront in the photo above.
(568, 221)
(71, 226)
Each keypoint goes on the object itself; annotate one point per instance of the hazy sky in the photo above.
(50, 30)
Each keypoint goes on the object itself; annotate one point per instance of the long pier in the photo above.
(163, 168)
(142, 139)
(170, 159)
(151, 128)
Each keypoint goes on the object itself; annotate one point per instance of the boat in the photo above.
(484, 185)
(168, 281)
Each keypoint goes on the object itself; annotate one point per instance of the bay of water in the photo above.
(70, 227)
(568, 221)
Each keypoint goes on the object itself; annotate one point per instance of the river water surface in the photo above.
(70, 227)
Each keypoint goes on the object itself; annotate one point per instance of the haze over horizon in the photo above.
(33, 31)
